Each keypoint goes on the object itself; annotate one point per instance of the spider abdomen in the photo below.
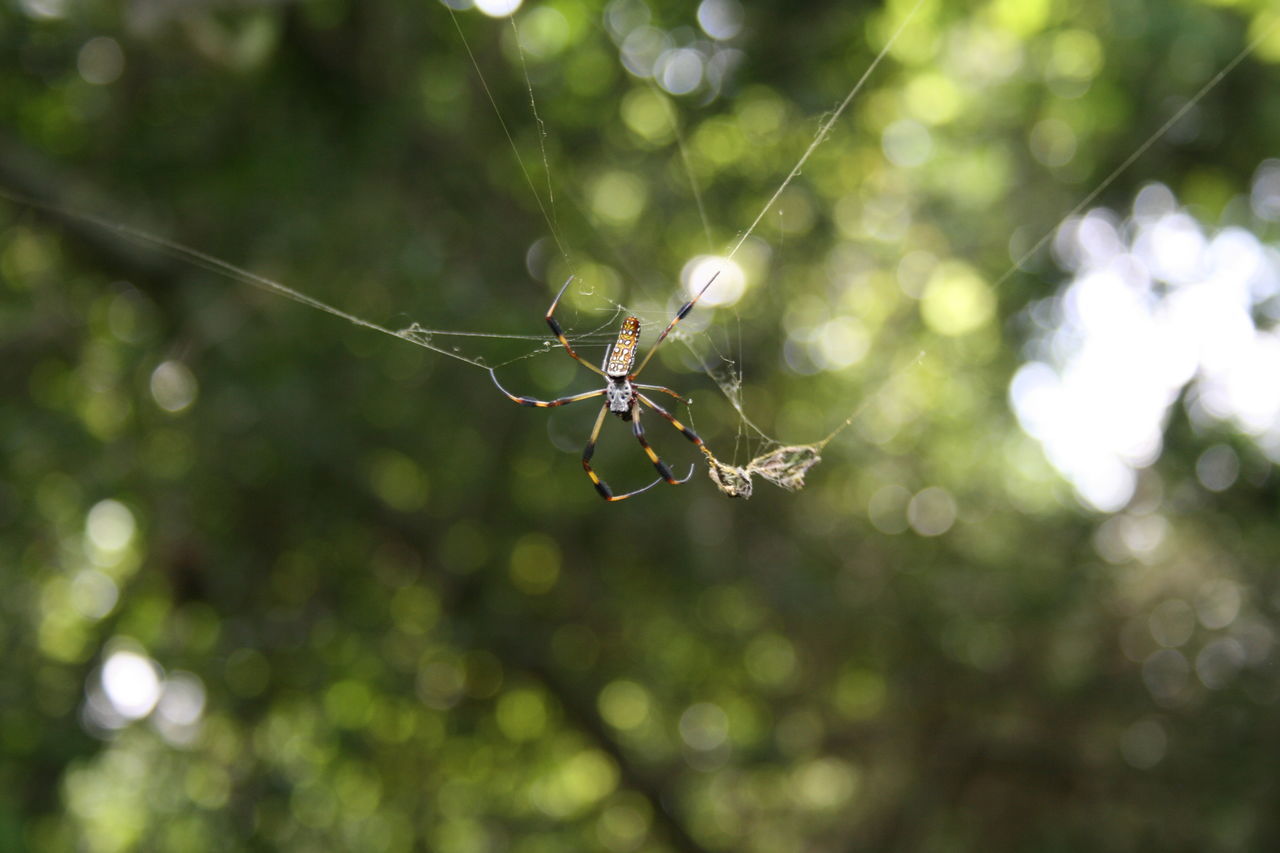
(622, 355)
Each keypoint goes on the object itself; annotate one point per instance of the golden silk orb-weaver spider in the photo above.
(623, 395)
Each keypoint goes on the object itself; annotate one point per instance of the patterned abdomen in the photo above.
(622, 356)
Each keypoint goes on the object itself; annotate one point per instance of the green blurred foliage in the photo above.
(390, 613)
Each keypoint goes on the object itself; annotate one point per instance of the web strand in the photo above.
(515, 149)
(686, 161)
(415, 334)
(1140, 150)
(1146, 145)
(824, 130)
(542, 131)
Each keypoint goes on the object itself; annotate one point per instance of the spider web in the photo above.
(717, 351)
(781, 463)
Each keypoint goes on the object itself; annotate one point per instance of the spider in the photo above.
(623, 395)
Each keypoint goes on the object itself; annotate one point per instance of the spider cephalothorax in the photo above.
(623, 395)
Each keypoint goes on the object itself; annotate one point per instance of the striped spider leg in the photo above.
(622, 394)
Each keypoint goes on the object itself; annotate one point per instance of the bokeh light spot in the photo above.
(933, 98)
(1172, 623)
(45, 9)
(618, 198)
(679, 71)
(932, 511)
(842, 342)
(623, 825)
(131, 681)
(771, 660)
(1264, 195)
(646, 113)
(544, 32)
(1156, 306)
(860, 693)
(730, 281)
(1052, 142)
(704, 726)
(624, 704)
(100, 61)
(173, 386)
(956, 300)
(907, 143)
(398, 480)
(415, 609)
(1218, 467)
(347, 703)
(1075, 55)
(720, 19)
(93, 593)
(441, 679)
(522, 714)
(1218, 603)
(1021, 17)
(1165, 673)
(1144, 743)
(1219, 661)
(182, 700)
(498, 8)
(641, 48)
(535, 563)
(823, 784)
(110, 525)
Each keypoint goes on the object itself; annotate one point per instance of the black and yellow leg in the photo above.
(663, 470)
(680, 315)
(688, 433)
(679, 397)
(544, 404)
(559, 332)
(601, 486)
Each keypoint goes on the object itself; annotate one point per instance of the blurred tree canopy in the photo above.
(274, 581)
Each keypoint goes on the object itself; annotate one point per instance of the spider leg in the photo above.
(679, 397)
(601, 486)
(663, 470)
(688, 433)
(680, 315)
(559, 332)
(544, 404)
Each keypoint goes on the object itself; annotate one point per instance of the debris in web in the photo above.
(784, 466)
(729, 479)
